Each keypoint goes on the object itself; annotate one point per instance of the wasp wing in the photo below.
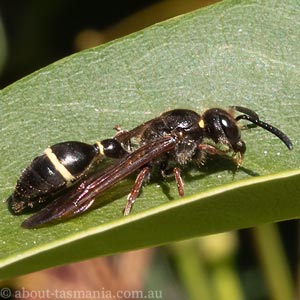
(79, 198)
(125, 137)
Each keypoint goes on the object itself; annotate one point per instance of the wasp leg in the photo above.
(179, 181)
(237, 158)
(118, 128)
(123, 137)
(135, 190)
(211, 149)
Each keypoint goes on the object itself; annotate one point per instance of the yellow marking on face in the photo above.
(63, 171)
(201, 123)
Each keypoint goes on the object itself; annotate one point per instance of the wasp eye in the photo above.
(221, 127)
(224, 122)
(231, 130)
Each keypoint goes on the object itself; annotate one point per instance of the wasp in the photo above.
(62, 178)
(59, 167)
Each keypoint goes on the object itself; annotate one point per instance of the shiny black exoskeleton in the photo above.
(166, 143)
(60, 166)
(215, 132)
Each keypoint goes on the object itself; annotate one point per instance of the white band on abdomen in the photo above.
(68, 177)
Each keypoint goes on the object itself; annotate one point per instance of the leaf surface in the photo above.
(242, 53)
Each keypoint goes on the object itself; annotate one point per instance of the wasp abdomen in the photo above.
(60, 165)
(72, 159)
(40, 178)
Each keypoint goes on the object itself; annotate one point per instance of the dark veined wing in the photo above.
(126, 136)
(80, 198)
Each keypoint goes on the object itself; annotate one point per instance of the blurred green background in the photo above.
(260, 263)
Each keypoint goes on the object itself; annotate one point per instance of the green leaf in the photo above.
(234, 53)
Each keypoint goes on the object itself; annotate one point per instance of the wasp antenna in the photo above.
(267, 127)
(246, 111)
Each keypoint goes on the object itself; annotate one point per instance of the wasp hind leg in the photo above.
(179, 181)
(135, 190)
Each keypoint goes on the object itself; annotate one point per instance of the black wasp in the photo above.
(62, 179)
